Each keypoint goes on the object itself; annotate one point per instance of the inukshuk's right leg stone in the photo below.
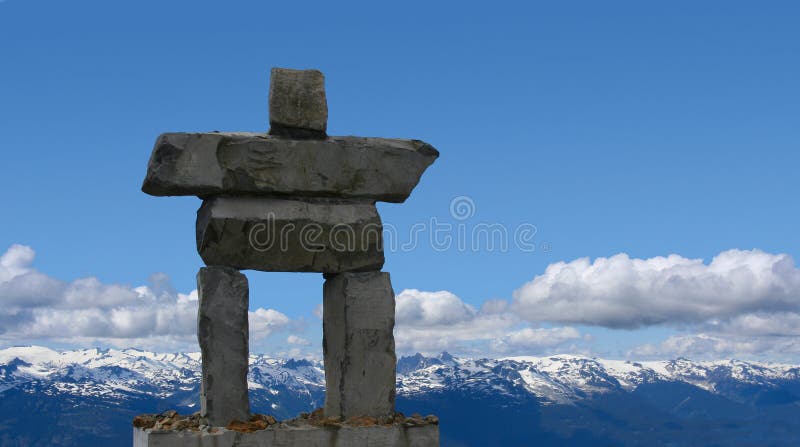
(358, 344)
(222, 331)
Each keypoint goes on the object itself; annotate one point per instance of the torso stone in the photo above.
(279, 235)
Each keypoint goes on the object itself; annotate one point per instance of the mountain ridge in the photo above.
(554, 399)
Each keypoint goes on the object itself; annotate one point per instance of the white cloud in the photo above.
(535, 339)
(318, 311)
(15, 262)
(36, 307)
(297, 341)
(494, 307)
(620, 292)
(263, 322)
(431, 308)
(758, 335)
(702, 346)
(441, 321)
(757, 325)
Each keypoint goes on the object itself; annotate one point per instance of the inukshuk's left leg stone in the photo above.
(222, 331)
(358, 345)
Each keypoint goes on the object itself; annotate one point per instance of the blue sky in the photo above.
(613, 127)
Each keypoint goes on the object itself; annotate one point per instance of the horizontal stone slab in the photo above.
(280, 235)
(204, 164)
(288, 436)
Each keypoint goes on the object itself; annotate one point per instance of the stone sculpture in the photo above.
(260, 193)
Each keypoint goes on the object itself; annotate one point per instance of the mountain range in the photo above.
(89, 397)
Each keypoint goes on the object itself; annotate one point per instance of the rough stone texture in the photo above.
(278, 235)
(222, 331)
(358, 345)
(205, 164)
(297, 104)
(375, 436)
(282, 201)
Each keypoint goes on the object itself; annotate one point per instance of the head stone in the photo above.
(297, 104)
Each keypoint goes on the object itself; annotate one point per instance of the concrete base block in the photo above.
(305, 436)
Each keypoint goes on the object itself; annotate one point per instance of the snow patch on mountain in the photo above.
(556, 379)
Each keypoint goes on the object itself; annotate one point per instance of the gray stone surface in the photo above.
(294, 199)
(222, 331)
(374, 436)
(297, 104)
(281, 235)
(358, 345)
(205, 164)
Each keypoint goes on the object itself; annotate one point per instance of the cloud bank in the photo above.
(621, 292)
(720, 346)
(441, 321)
(743, 303)
(37, 307)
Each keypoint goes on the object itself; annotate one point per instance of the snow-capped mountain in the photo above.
(556, 399)
(566, 379)
(123, 374)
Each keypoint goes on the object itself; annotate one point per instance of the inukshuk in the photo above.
(293, 200)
